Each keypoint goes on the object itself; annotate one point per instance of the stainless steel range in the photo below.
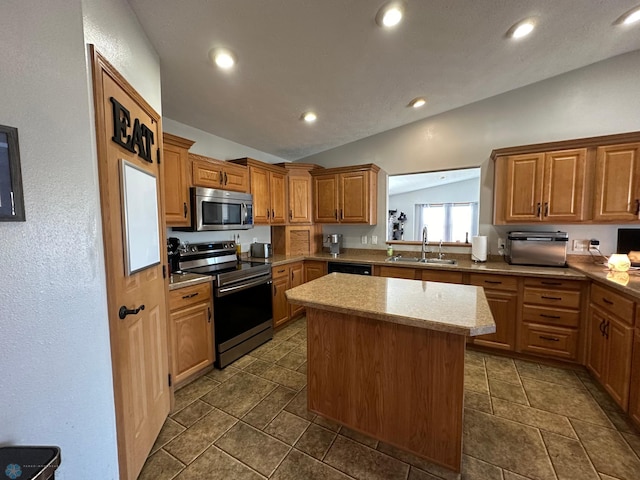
(242, 297)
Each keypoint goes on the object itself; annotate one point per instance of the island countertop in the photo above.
(445, 307)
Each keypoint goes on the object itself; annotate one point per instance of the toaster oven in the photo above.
(547, 249)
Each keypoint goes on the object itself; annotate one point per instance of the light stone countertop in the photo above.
(181, 280)
(625, 282)
(457, 309)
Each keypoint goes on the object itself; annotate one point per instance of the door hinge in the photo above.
(169, 379)
(158, 155)
(164, 271)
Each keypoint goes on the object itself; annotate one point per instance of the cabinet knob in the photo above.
(551, 339)
(184, 207)
(268, 213)
(209, 314)
(273, 213)
(539, 209)
(546, 209)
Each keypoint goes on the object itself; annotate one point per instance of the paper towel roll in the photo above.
(479, 248)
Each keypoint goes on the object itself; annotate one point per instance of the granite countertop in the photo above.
(624, 282)
(458, 309)
(181, 280)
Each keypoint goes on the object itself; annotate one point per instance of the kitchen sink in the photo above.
(436, 261)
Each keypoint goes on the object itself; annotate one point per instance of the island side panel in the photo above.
(402, 385)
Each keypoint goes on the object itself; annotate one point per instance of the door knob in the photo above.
(124, 311)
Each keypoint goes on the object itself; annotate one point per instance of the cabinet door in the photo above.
(504, 307)
(523, 203)
(634, 394)
(314, 269)
(325, 198)
(236, 178)
(260, 190)
(177, 209)
(397, 272)
(192, 337)
(299, 199)
(280, 304)
(278, 198)
(617, 183)
(207, 174)
(596, 353)
(354, 199)
(564, 186)
(619, 350)
(440, 276)
(296, 277)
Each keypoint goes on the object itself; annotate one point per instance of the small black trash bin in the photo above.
(29, 462)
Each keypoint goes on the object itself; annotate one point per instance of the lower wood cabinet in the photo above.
(191, 325)
(396, 272)
(502, 296)
(314, 269)
(634, 394)
(284, 278)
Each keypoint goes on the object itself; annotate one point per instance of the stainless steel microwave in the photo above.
(213, 209)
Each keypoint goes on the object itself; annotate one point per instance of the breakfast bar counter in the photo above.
(386, 357)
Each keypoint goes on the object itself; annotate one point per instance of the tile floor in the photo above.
(522, 421)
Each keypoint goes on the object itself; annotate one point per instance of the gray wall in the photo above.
(601, 99)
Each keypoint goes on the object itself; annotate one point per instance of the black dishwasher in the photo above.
(353, 268)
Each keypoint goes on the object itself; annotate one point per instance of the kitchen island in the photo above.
(386, 357)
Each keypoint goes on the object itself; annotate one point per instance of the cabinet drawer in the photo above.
(440, 276)
(552, 283)
(281, 271)
(397, 272)
(183, 297)
(550, 316)
(612, 302)
(556, 298)
(494, 282)
(546, 340)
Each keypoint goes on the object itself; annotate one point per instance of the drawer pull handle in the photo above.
(601, 327)
(551, 283)
(549, 316)
(281, 271)
(494, 282)
(546, 297)
(538, 211)
(551, 339)
(184, 297)
(606, 330)
(607, 301)
(208, 314)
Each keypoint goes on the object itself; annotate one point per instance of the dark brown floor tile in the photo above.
(502, 369)
(192, 413)
(216, 464)
(473, 469)
(326, 423)
(507, 391)
(418, 462)
(244, 362)
(364, 463)
(358, 437)
(621, 421)
(473, 359)
(258, 367)
(608, 451)
(240, 393)
(315, 441)
(193, 391)
(287, 427)
(475, 379)
(253, 447)
(513, 476)
(298, 406)
(516, 447)
(277, 352)
(634, 441)
(300, 337)
(607, 477)
(160, 466)
(600, 395)
(265, 411)
(302, 368)
(416, 474)
(564, 400)
(298, 466)
(292, 360)
(478, 401)
(534, 417)
(169, 431)
(547, 373)
(284, 376)
(195, 440)
(224, 374)
(569, 458)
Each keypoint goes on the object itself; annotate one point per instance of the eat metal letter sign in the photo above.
(139, 141)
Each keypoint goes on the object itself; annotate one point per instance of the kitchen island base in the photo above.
(400, 384)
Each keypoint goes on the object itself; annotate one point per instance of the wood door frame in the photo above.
(100, 64)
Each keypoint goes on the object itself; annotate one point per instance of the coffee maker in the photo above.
(173, 253)
(334, 242)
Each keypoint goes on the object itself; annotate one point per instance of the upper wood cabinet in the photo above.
(543, 187)
(617, 196)
(212, 173)
(177, 179)
(346, 194)
(268, 185)
(299, 189)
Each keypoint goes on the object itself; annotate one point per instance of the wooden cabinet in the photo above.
(284, 278)
(610, 342)
(300, 192)
(296, 239)
(617, 192)
(191, 328)
(212, 173)
(502, 296)
(440, 276)
(634, 393)
(177, 179)
(268, 185)
(396, 272)
(314, 269)
(543, 187)
(346, 194)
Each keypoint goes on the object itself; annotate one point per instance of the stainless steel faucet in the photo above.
(425, 243)
(440, 254)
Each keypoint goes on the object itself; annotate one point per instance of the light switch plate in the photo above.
(374, 239)
(364, 239)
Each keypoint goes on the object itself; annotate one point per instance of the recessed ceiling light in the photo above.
(390, 14)
(417, 102)
(632, 16)
(223, 58)
(309, 117)
(521, 29)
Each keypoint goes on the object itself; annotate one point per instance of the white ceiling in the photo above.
(330, 56)
(418, 181)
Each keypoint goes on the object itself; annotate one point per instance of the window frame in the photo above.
(16, 212)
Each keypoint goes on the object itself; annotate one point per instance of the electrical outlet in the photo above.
(364, 239)
(500, 243)
(374, 239)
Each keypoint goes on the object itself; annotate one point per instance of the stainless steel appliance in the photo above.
(261, 250)
(213, 209)
(547, 249)
(334, 242)
(242, 315)
(353, 268)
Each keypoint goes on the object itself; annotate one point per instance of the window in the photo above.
(11, 201)
(447, 222)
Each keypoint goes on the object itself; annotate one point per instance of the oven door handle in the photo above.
(221, 292)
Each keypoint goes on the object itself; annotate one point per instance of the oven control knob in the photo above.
(194, 249)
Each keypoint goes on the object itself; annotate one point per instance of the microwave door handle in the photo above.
(245, 214)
